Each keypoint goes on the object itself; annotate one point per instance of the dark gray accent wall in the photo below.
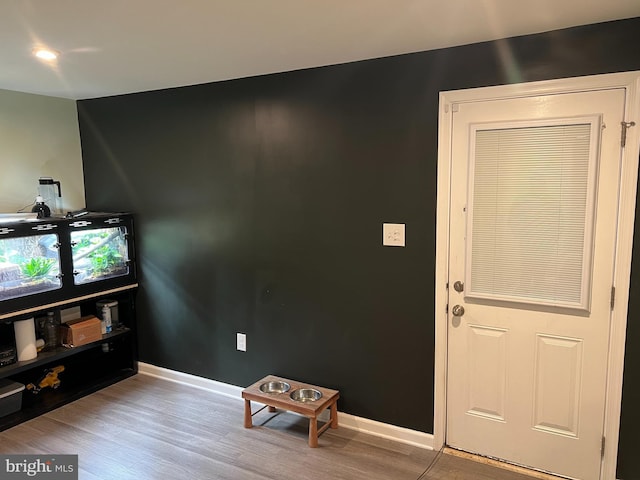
(260, 204)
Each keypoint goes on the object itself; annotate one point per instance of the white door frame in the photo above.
(626, 217)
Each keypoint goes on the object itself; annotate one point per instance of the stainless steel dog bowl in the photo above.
(305, 395)
(275, 387)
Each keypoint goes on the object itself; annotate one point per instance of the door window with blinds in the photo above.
(530, 211)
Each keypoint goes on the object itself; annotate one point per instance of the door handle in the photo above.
(457, 310)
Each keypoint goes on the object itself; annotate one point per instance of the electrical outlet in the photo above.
(393, 234)
(241, 342)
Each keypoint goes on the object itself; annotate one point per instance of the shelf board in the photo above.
(57, 354)
(67, 301)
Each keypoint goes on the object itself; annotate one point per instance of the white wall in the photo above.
(39, 137)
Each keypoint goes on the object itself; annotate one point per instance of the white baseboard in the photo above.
(386, 430)
(345, 420)
(202, 383)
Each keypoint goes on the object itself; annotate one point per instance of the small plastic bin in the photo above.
(10, 397)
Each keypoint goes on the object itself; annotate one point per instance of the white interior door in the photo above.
(533, 222)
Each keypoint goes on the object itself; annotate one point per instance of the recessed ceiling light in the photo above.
(45, 53)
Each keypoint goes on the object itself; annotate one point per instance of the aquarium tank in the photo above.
(99, 253)
(29, 265)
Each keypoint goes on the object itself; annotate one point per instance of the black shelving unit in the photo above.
(58, 354)
(89, 367)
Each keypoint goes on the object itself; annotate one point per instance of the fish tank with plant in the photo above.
(99, 253)
(29, 265)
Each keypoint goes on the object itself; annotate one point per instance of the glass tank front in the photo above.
(29, 265)
(99, 253)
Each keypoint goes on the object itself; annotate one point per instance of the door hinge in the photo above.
(623, 134)
(613, 297)
(602, 446)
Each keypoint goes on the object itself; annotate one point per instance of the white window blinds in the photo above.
(530, 220)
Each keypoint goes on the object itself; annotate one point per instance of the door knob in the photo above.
(457, 310)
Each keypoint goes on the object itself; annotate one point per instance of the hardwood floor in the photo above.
(145, 428)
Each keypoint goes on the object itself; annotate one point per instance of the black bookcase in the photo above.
(55, 264)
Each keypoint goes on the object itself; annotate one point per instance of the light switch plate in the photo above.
(241, 342)
(393, 234)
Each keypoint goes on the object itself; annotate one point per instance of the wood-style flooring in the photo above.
(145, 428)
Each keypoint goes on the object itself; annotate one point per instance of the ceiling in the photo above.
(122, 46)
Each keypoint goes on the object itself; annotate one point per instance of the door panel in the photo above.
(558, 371)
(527, 361)
(487, 379)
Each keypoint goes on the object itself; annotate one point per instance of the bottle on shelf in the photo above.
(106, 318)
(50, 332)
